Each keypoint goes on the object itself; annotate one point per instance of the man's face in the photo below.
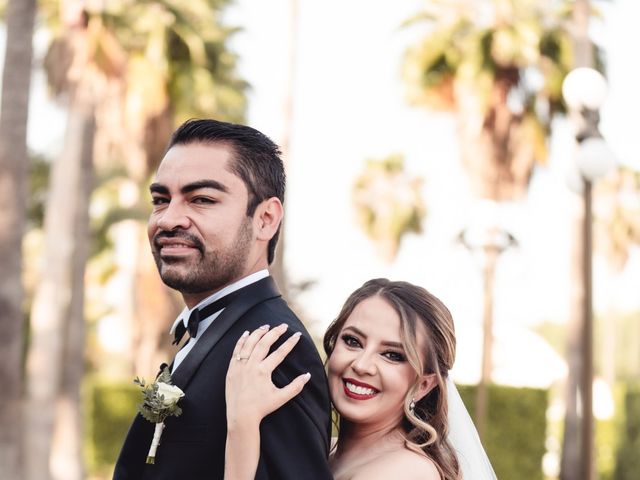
(200, 235)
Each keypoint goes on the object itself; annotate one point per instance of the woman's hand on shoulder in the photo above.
(250, 392)
(403, 464)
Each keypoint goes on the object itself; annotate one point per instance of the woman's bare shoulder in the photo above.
(401, 463)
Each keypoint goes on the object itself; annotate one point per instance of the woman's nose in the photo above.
(364, 363)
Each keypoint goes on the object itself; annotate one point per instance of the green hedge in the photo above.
(515, 429)
(110, 408)
(514, 440)
(628, 452)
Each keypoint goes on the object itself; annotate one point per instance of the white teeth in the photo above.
(359, 390)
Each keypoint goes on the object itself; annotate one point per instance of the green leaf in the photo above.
(152, 407)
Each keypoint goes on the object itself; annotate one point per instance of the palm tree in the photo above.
(617, 232)
(16, 79)
(278, 269)
(388, 203)
(179, 67)
(55, 362)
(617, 215)
(126, 71)
(498, 65)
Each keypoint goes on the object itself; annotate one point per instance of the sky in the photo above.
(349, 106)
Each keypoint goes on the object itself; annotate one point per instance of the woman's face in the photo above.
(369, 375)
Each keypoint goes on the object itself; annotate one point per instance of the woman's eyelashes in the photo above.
(353, 342)
(394, 356)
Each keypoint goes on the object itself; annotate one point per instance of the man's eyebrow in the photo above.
(214, 184)
(189, 187)
(158, 188)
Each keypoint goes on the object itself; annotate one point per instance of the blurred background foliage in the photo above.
(388, 203)
(499, 66)
(127, 72)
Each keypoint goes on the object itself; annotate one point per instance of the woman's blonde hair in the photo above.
(424, 425)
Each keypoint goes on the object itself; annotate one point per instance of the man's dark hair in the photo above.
(256, 160)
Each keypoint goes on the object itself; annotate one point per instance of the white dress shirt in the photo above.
(206, 322)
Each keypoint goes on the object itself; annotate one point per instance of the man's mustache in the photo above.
(192, 239)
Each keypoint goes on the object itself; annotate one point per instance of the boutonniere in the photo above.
(160, 401)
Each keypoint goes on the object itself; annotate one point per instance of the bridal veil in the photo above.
(464, 439)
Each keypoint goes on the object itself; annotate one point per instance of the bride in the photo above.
(389, 353)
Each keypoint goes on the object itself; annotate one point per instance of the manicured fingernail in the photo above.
(297, 334)
(284, 326)
(265, 327)
(307, 376)
(245, 334)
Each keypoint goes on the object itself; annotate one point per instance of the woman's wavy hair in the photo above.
(425, 428)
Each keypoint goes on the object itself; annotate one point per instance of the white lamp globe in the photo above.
(573, 179)
(584, 88)
(595, 159)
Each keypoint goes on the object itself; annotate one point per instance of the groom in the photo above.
(217, 208)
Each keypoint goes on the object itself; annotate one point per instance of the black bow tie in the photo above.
(201, 314)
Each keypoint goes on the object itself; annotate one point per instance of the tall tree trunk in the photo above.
(497, 155)
(54, 302)
(151, 307)
(499, 165)
(66, 459)
(16, 80)
(278, 268)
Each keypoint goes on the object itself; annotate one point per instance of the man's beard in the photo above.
(213, 270)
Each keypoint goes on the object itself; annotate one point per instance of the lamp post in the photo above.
(584, 91)
(490, 240)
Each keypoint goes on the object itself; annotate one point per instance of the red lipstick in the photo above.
(358, 390)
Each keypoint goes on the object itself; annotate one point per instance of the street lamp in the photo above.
(584, 90)
(487, 237)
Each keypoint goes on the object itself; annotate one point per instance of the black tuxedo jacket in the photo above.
(294, 439)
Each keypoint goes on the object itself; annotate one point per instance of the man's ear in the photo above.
(427, 383)
(267, 218)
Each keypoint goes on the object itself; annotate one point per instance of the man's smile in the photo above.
(171, 245)
(176, 249)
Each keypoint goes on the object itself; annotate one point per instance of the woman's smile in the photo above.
(358, 390)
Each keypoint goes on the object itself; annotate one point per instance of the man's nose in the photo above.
(174, 216)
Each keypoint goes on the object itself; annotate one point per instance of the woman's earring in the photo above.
(412, 406)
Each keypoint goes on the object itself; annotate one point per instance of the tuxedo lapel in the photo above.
(251, 295)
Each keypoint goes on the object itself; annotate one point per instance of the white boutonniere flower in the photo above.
(160, 401)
